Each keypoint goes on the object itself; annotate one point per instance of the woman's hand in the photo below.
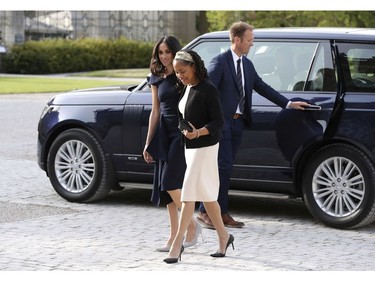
(147, 156)
(191, 135)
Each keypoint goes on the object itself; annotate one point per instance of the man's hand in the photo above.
(299, 105)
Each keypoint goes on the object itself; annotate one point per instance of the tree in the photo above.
(221, 20)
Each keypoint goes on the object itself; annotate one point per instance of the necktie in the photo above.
(241, 105)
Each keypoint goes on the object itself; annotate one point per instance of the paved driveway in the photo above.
(41, 231)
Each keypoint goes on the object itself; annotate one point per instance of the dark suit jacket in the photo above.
(222, 73)
(203, 109)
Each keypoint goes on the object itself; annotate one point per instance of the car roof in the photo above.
(333, 33)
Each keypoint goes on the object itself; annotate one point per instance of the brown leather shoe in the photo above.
(230, 222)
(205, 220)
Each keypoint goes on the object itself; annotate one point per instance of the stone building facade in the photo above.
(20, 26)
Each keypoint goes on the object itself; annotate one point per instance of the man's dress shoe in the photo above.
(230, 222)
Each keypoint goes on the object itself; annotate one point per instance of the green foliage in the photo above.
(222, 20)
(130, 54)
(62, 56)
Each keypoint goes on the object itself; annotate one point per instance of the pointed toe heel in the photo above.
(171, 260)
(174, 260)
(198, 231)
(218, 254)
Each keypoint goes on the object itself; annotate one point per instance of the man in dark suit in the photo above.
(235, 77)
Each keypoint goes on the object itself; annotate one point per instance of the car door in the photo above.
(299, 70)
(356, 116)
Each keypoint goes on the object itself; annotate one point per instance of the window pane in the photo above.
(358, 63)
(323, 75)
(208, 50)
(283, 65)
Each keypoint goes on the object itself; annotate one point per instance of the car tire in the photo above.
(77, 167)
(339, 187)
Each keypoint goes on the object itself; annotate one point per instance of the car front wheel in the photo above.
(339, 187)
(77, 167)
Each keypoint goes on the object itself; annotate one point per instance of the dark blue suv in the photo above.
(91, 141)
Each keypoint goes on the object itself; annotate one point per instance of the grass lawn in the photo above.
(17, 85)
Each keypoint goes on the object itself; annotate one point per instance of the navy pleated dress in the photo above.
(166, 146)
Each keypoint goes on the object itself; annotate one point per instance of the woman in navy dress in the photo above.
(163, 142)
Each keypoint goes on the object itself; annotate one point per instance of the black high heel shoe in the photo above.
(174, 260)
(221, 255)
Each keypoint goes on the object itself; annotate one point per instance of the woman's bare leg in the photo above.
(176, 197)
(214, 212)
(186, 216)
(173, 222)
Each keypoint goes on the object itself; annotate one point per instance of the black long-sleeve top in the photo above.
(203, 109)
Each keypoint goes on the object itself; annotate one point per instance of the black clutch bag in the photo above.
(184, 125)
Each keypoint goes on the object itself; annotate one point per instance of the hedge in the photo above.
(64, 56)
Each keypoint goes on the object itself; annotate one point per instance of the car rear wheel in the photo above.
(77, 167)
(339, 187)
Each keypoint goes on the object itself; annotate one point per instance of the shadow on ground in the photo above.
(240, 205)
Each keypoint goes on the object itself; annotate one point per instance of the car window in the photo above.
(283, 65)
(322, 76)
(358, 64)
(207, 50)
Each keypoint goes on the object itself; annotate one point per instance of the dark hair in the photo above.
(156, 67)
(199, 66)
(200, 69)
(238, 29)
